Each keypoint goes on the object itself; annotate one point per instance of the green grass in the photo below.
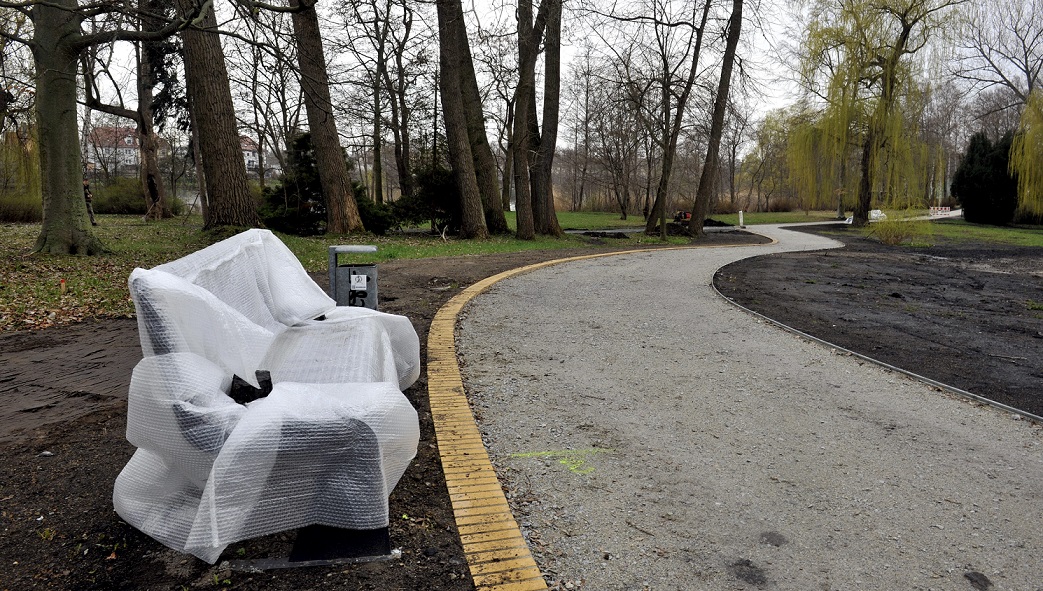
(753, 218)
(31, 294)
(587, 220)
(961, 231)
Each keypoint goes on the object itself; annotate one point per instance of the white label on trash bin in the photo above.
(358, 282)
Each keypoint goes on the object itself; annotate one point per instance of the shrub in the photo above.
(435, 199)
(781, 205)
(376, 217)
(120, 196)
(902, 227)
(295, 205)
(20, 208)
(983, 184)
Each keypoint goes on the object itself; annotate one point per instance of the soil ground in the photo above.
(62, 428)
(62, 424)
(966, 314)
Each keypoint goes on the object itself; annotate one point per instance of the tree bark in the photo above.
(342, 212)
(378, 146)
(400, 111)
(708, 178)
(206, 80)
(481, 151)
(461, 158)
(151, 178)
(66, 228)
(522, 135)
(543, 178)
(672, 131)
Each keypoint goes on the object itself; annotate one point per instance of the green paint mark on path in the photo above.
(573, 459)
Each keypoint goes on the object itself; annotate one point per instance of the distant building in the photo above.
(251, 156)
(114, 150)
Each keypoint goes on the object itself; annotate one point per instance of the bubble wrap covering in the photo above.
(326, 446)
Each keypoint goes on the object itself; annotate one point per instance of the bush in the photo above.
(983, 184)
(781, 205)
(899, 228)
(435, 199)
(295, 205)
(20, 209)
(376, 217)
(119, 196)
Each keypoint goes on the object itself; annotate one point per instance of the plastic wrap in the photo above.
(326, 446)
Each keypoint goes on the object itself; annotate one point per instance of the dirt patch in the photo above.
(62, 438)
(966, 314)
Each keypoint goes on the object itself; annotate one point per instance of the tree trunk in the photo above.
(523, 204)
(378, 157)
(865, 183)
(206, 80)
(508, 172)
(544, 168)
(66, 228)
(151, 178)
(481, 151)
(708, 178)
(400, 131)
(342, 213)
(672, 132)
(450, 26)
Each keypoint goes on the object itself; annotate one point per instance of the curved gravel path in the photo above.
(652, 436)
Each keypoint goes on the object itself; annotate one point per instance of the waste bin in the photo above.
(353, 284)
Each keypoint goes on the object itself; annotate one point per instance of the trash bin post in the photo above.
(353, 284)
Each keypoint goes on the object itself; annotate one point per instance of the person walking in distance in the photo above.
(88, 197)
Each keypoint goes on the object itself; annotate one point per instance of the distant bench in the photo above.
(260, 405)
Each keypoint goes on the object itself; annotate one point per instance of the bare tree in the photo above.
(149, 56)
(206, 79)
(707, 180)
(341, 209)
(1001, 45)
(57, 41)
(454, 52)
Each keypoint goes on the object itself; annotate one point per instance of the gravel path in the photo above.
(652, 436)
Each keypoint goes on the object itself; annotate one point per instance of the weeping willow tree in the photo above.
(858, 60)
(19, 176)
(1026, 156)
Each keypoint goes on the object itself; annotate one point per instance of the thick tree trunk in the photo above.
(708, 178)
(342, 213)
(865, 183)
(450, 25)
(66, 229)
(522, 133)
(481, 151)
(206, 79)
(544, 181)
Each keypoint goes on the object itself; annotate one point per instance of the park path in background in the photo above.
(651, 435)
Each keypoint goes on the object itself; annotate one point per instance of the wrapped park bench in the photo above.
(323, 433)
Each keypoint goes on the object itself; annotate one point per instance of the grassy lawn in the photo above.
(958, 230)
(32, 295)
(753, 218)
(587, 220)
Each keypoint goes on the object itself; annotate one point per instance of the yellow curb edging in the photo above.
(497, 554)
